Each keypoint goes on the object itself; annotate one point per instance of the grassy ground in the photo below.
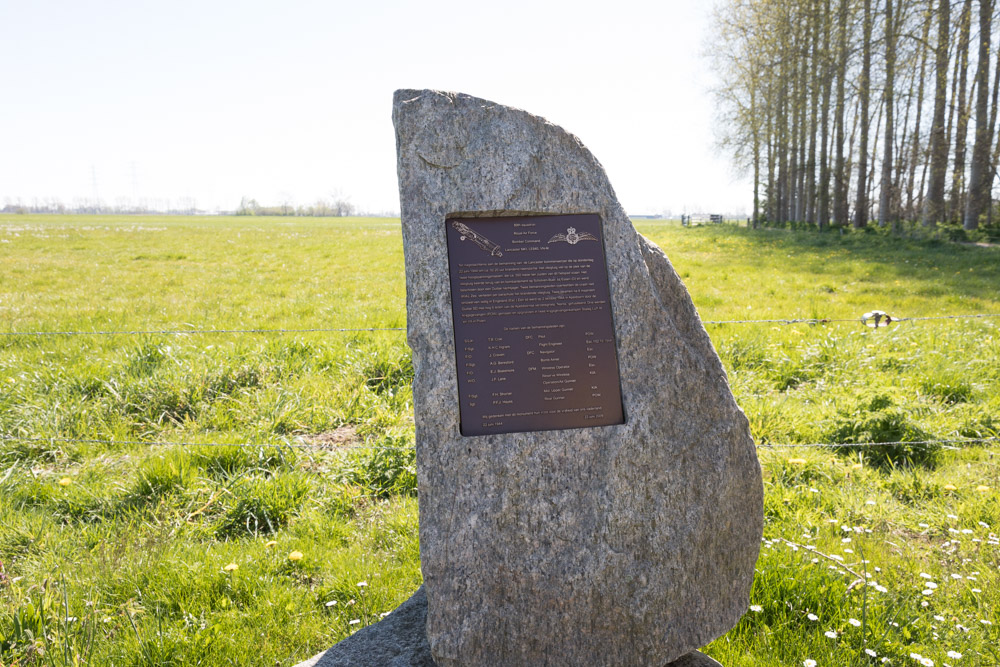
(131, 554)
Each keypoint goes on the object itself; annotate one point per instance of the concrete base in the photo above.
(399, 640)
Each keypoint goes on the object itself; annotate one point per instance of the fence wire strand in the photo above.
(317, 446)
(862, 445)
(184, 332)
(334, 448)
(828, 320)
(201, 332)
(168, 443)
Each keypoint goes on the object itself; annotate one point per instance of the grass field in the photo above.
(181, 554)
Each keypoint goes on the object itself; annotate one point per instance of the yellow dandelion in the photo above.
(65, 481)
(857, 466)
(950, 487)
(797, 462)
(295, 556)
(270, 544)
(232, 567)
(982, 488)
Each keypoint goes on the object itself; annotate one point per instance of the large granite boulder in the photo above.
(626, 544)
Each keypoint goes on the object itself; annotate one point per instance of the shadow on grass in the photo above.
(931, 266)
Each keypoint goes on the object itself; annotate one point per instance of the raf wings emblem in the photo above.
(478, 239)
(572, 237)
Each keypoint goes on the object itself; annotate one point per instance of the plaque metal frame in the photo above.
(535, 345)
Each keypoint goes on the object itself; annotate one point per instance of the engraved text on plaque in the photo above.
(534, 336)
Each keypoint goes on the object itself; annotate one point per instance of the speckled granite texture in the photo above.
(626, 545)
(399, 640)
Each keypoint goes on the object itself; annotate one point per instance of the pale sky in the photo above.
(291, 101)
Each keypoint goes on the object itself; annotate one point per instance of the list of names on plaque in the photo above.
(534, 337)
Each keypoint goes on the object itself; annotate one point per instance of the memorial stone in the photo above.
(589, 492)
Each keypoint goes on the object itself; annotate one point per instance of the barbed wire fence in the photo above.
(282, 444)
(874, 319)
(191, 332)
(201, 332)
(953, 443)
(855, 320)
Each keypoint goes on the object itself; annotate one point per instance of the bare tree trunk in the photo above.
(814, 85)
(995, 90)
(801, 103)
(864, 88)
(782, 147)
(849, 167)
(995, 158)
(910, 209)
(962, 110)
(950, 125)
(823, 196)
(886, 194)
(793, 160)
(923, 179)
(840, 175)
(755, 128)
(772, 189)
(901, 151)
(979, 179)
(869, 198)
(934, 202)
(902, 146)
(756, 180)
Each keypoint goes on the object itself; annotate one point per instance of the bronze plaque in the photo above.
(534, 338)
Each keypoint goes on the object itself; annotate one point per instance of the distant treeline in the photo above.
(322, 208)
(96, 209)
(851, 111)
(248, 206)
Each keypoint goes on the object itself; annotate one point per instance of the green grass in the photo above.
(131, 542)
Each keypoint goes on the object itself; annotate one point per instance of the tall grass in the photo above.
(249, 550)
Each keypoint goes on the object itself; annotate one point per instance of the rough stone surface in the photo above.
(619, 545)
(399, 640)
(694, 659)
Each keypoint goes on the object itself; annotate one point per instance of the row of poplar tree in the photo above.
(850, 111)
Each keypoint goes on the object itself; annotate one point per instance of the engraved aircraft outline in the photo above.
(465, 233)
(572, 237)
